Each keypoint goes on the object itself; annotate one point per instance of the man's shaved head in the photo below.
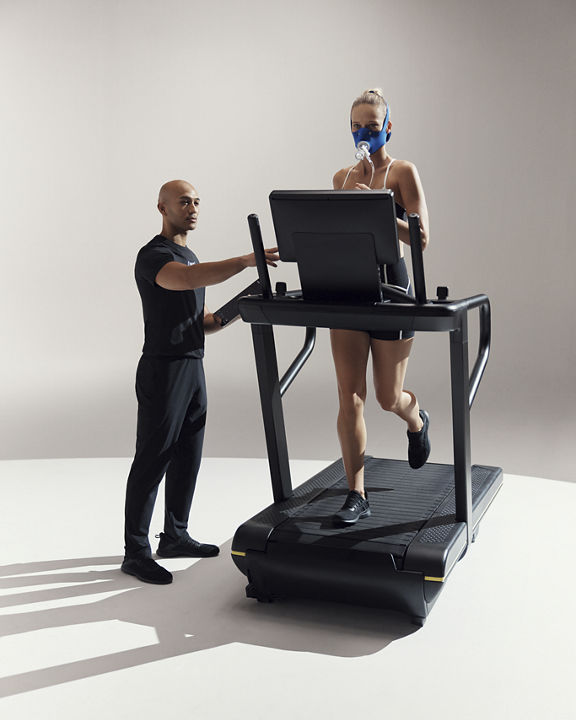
(179, 204)
(175, 188)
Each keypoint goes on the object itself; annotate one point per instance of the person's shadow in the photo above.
(205, 607)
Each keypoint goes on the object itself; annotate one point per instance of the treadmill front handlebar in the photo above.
(258, 245)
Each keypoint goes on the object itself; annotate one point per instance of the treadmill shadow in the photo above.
(204, 608)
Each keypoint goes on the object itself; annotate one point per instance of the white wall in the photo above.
(104, 101)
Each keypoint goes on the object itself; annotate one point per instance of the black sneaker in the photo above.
(147, 570)
(354, 508)
(185, 547)
(419, 444)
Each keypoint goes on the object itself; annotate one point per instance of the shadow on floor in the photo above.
(205, 607)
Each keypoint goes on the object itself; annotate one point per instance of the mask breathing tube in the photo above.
(363, 151)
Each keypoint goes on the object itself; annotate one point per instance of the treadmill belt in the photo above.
(402, 501)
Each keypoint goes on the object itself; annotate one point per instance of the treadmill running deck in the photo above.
(403, 502)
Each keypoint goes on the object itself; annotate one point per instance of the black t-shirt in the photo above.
(173, 319)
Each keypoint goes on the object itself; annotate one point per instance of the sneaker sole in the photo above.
(344, 523)
(146, 580)
(164, 554)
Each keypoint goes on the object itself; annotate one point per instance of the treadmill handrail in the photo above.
(483, 348)
(299, 361)
(468, 303)
(444, 308)
(480, 301)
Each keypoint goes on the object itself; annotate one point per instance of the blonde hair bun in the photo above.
(374, 96)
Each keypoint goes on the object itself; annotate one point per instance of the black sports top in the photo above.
(173, 319)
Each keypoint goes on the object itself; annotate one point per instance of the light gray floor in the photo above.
(80, 639)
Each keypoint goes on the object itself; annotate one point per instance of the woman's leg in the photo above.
(350, 349)
(389, 362)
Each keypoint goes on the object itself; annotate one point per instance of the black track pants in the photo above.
(171, 419)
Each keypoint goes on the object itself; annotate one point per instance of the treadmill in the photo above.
(423, 520)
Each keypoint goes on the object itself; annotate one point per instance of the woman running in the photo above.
(370, 123)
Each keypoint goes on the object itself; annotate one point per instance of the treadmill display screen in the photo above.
(298, 214)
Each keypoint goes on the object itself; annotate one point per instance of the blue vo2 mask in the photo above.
(375, 138)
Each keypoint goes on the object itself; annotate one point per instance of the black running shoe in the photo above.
(354, 508)
(147, 570)
(185, 547)
(419, 444)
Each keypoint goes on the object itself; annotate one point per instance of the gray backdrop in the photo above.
(104, 101)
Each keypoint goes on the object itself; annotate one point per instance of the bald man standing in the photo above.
(170, 383)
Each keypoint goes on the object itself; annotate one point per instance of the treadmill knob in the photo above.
(281, 288)
(442, 293)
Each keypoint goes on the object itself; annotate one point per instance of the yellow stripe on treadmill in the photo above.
(433, 579)
(237, 552)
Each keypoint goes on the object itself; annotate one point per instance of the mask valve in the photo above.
(362, 150)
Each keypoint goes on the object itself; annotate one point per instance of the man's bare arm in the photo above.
(176, 276)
